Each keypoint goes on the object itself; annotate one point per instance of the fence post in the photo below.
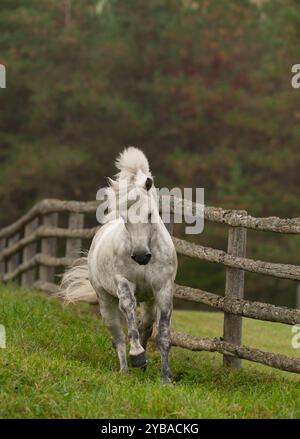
(73, 245)
(237, 238)
(14, 260)
(2, 263)
(28, 278)
(48, 248)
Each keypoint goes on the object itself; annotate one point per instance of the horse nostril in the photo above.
(141, 259)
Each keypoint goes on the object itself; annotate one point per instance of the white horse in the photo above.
(129, 262)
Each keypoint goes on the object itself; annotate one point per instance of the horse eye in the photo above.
(148, 183)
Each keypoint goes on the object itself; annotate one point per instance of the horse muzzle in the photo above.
(141, 258)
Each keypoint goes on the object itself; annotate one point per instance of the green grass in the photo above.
(59, 363)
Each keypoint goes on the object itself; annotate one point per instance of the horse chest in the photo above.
(141, 282)
(143, 290)
(143, 295)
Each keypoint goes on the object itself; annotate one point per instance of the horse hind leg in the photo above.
(119, 343)
(127, 305)
(147, 319)
(163, 298)
(113, 319)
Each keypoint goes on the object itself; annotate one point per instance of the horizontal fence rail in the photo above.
(239, 307)
(285, 271)
(186, 248)
(34, 249)
(235, 218)
(277, 361)
(45, 207)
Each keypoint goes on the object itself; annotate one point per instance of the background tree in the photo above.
(203, 86)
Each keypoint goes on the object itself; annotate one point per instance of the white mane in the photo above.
(130, 161)
(133, 172)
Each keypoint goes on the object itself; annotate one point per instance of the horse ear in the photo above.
(148, 183)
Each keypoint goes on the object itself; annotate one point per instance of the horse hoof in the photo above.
(166, 380)
(139, 360)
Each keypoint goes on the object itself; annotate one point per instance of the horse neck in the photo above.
(160, 231)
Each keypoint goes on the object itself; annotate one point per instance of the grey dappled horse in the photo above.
(131, 260)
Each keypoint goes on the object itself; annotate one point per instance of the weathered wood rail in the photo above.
(29, 255)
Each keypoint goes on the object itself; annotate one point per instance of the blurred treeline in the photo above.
(202, 86)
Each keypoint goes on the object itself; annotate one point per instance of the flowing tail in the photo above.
(75, 285)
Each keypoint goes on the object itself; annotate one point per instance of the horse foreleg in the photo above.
(113, 319)
(164, 299)
(127, 305)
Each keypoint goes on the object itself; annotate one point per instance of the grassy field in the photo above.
(59, 363)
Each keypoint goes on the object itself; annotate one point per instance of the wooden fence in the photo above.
(32, 249)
